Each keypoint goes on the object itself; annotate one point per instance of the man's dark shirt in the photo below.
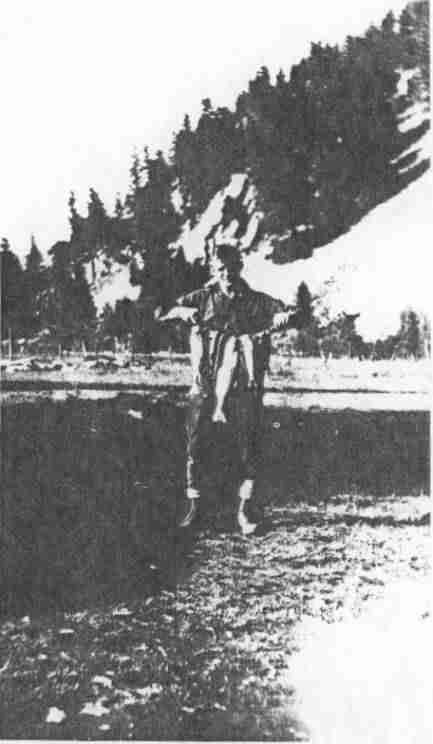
(246, 311)
(219, 315)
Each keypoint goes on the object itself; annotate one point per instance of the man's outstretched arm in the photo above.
(186, 314)
(187, 308)
(266, 313)
(285, 319)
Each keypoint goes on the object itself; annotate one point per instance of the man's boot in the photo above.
(246, 523)
(191, 508)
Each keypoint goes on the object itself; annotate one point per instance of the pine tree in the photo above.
(35, 283)
(68, 308)
(118, 233)
(56, 298)
(12, 292)
(425, 333)
(83, 310)
(119, 208)
(307, 340)
(96, 230)
(79, 248)
(407, 23)
(388, 24)
(186, 162)
(204, 159)
(34, 262)
(105, 328)
(135, 172)
(409, 343)
(304, 303)
(339, 337)
(155, 225)
(281, 80)
(207, 106)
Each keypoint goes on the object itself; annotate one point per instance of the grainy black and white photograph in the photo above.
(216, 230)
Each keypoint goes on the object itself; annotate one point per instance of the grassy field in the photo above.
(116, 626)
(173, 370)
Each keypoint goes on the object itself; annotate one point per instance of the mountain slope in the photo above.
(317, 177)
(377, 269)
(110, 281)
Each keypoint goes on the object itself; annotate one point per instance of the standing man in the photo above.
(225, 301)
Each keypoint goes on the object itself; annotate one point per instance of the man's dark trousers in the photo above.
(240, 437)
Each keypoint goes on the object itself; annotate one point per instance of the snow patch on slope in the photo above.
(193, 239)
(110, 283)
(377, 269)
(419, 111)
(403, 82)
(177, 199)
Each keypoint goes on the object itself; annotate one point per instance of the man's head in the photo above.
(226, 266)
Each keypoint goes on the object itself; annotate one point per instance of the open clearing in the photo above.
(173, 370)
(123, 628)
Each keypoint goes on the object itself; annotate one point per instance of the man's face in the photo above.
(227, 273)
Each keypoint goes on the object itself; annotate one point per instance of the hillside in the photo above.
(318, 176)
(377, 269)
(362, 266)
(367, 270)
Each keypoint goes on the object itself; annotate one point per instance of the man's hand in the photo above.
(187, 314)
(283, 320)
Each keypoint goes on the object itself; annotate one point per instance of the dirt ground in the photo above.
(122, 628)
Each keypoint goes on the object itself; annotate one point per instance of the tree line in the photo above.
(49, 298)
(339, 337)
(322, 147)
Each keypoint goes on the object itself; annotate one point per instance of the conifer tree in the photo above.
(12, 292)
(83, 310)
(425, 331)
(96, 230)
(118, 233)
(105, 328)
(118, 208)
(68, 307)
(388, 24)
(34, 262)
(205, 158)
(304, 304)
(407, 23)
(185, 157)
(409, 343)
(35, 283)
(154, 226)
(135, 172)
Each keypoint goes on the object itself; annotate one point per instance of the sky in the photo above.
(83, 84)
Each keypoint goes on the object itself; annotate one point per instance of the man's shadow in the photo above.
(307, 457)
(91, 508)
